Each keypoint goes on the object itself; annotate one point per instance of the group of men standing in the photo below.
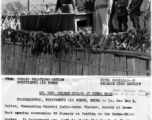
(106, 9)
(134, 11)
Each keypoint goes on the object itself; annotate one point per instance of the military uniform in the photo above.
(134, 12)
(101, 17)
(146, 12)
(122, 13)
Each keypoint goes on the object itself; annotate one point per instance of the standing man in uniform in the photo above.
(122, 14)
(145, 12)
(102, 14)
(66, 6)
(134, 12)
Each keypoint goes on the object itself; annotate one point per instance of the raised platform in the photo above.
(52, 23)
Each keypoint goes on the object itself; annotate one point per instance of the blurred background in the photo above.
(35, 5)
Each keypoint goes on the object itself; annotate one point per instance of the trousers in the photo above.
(135, 21)
(101, 19)
(145, 19)
(122, 20)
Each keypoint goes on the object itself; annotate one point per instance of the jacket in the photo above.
(121, 7)
(134, 7)
(60, 3)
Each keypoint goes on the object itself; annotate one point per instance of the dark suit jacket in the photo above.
(135, 7)
(122, 10)
(61, 2)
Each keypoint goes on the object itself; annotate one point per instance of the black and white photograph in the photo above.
(75, 60)
(76, 37)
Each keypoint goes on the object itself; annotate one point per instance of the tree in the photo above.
(14, 6)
